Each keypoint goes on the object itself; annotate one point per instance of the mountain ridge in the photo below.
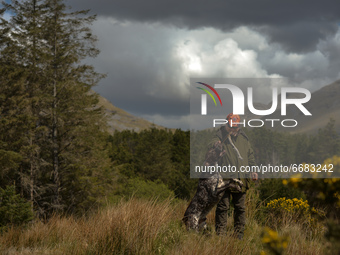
(323, 105)
(120, 120)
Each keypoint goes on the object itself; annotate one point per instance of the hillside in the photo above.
(323, 105)
(122, 120)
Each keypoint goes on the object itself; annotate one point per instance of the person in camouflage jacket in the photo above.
(237, 152)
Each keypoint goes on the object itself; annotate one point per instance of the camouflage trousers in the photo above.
(239, 201)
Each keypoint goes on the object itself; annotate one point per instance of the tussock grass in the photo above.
(148, 227)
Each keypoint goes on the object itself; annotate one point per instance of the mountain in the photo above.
(119, 119)
(323, 105)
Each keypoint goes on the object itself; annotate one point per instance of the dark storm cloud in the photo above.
(148, 104)
(144, 73)
(149, 64)
(301, 36)
(297, 25)
(150, 49)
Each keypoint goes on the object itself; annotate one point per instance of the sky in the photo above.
(150, 49)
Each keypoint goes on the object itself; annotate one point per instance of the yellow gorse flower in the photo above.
(289, 204)
(296, 207)
(273, 241)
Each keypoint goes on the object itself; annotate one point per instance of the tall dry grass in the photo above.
(146, 227)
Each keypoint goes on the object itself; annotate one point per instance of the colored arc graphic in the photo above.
(209, 94)
(213, 90)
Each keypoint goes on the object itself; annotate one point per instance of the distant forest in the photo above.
(164, 155)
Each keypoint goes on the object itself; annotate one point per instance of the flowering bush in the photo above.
(289, 205)
(274, 243)
(325, 190)
(283, 209)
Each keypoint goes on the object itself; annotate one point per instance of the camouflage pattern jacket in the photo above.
(231, 157)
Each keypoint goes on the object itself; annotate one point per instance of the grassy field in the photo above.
(138, 226)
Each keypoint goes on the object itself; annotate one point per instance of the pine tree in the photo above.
(20, 89)
(63, 148)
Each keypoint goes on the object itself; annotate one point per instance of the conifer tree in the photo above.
(20, 90)
(60, 149)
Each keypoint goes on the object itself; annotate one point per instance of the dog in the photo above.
(209, 192)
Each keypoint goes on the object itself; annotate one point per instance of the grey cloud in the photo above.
(321, 64)
(300, 37)
(331, 50)
(297, 25)
(148, 77)
(136, 102)
(144, 74)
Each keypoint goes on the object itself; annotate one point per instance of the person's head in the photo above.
(233, 123)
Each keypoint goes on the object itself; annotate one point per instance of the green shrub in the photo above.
(274, 188)
(146, 189)
(14, 210)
